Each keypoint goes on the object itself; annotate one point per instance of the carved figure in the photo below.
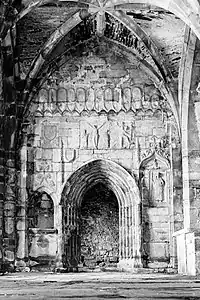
(103, 136)
(158, 187)
(115, 135)
(92, 140)
(84, 139)
(127, 141)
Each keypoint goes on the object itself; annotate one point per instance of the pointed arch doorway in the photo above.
(123, 186)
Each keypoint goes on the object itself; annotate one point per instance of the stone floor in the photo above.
(98, 285)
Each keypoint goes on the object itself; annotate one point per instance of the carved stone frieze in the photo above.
(103, 134)
(118, 98)
(94, 86)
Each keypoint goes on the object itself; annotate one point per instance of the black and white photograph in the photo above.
(100, 149)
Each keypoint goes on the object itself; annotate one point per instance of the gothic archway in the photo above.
(127, 193)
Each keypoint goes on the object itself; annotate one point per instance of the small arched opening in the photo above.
(42, 236)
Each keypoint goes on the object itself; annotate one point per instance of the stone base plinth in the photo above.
(188, 251)
(129, 265)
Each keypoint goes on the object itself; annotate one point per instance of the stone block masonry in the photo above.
(94, 120)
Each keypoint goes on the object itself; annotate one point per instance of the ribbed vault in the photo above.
(186, 10)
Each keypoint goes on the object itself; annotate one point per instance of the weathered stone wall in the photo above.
(194, 161)
(8, 153)
(100, 106)
(1, 161)
(194, 142)
(35, 29)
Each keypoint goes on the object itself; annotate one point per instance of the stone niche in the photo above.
(42, 235)
(155, 180)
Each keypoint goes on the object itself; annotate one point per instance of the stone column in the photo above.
(59, 226)
(2, 153)
(129, 238)
(187, 239)
(9, 131)
(9, 210)
(71, 236)
(21, 211)
(138, 262)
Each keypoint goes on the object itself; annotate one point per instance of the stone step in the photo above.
(156, 270)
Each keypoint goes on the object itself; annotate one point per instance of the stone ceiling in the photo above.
(164, 29)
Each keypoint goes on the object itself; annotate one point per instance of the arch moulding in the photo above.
(127, 193)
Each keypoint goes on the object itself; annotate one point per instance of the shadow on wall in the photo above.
(99, 227)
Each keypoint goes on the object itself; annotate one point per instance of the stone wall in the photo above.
(1, 161)
(194, 143)
(101, 106)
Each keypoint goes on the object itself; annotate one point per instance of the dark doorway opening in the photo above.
(99, 227)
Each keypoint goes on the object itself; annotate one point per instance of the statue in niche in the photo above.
(154, 179)
(127, 136)
(158, 187)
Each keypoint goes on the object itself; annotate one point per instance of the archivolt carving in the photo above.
(127, 193)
